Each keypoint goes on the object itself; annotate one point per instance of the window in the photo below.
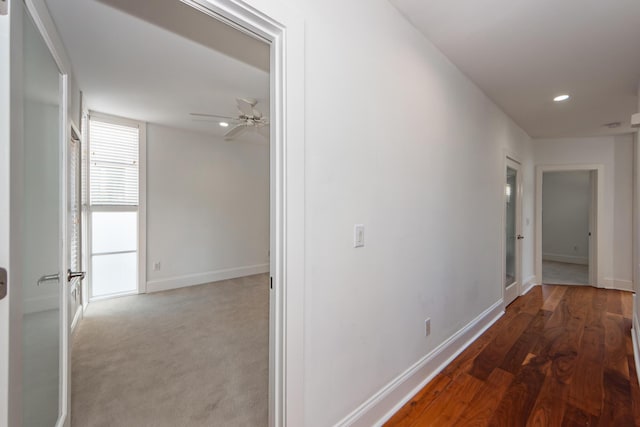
(114, 189)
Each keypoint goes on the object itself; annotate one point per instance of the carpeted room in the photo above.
(187, 336)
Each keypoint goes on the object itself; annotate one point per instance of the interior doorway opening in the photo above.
(178, 208)
(281, 27)
(567, 224)
(568, 205)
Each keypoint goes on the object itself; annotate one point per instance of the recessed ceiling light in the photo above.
(613, 125)
(561, 98)
(224, 124)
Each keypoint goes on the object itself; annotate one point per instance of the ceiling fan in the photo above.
(249, 118)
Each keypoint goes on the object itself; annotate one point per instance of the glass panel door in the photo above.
(41, 233)
(511, 196)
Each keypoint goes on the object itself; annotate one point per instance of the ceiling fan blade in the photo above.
(215, 120)
(245, 105)
(213, 116)
(236, 131)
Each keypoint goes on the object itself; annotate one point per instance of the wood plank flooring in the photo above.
(560, 356)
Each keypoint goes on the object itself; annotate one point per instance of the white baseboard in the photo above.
(570, 259)
(202, 278)
(386, 402)
(44, 303)
(76, 319)
(635, 337)
(511, 293)
(528, 284)
(621, 285)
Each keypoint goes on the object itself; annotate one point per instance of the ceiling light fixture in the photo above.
(561, 98)
(224, 124)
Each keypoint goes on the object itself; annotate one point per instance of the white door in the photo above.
(37, 369)
(512, 231)
(593, 236)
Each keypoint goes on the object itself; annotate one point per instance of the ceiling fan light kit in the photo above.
(249, 117)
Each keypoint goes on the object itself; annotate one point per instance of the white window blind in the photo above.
(114, 163)
(74, 204)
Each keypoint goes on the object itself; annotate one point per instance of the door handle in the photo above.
(48, 278)
(3, 283)
(73, 274)
(519, 237)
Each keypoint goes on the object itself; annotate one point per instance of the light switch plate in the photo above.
(3, 7)
(358, 235)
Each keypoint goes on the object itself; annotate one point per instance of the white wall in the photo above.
(623, 210)
(398, 139)
(207, 208)
(566, 201)
(616, 154)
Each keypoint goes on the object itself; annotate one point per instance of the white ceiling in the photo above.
(157, 64)
(522, 53)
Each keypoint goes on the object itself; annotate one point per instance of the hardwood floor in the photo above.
(560, 356)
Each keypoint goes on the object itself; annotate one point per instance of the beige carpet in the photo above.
(562, 273)
(196, 356)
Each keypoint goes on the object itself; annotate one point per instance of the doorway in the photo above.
(512, 262)
(567, 224)
(206, 182)
(285, 31)
(567, 206)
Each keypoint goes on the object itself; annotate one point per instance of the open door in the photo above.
(512, 231)
(593, 221)
(36, 363)
(42, 252)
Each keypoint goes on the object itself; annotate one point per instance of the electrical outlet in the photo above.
(427, 327)
(156, 266)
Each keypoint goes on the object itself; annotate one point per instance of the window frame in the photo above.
(141, 208)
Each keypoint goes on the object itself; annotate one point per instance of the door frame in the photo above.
(509, 294)
(597, 213)
(79, 313)
(282, 27)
